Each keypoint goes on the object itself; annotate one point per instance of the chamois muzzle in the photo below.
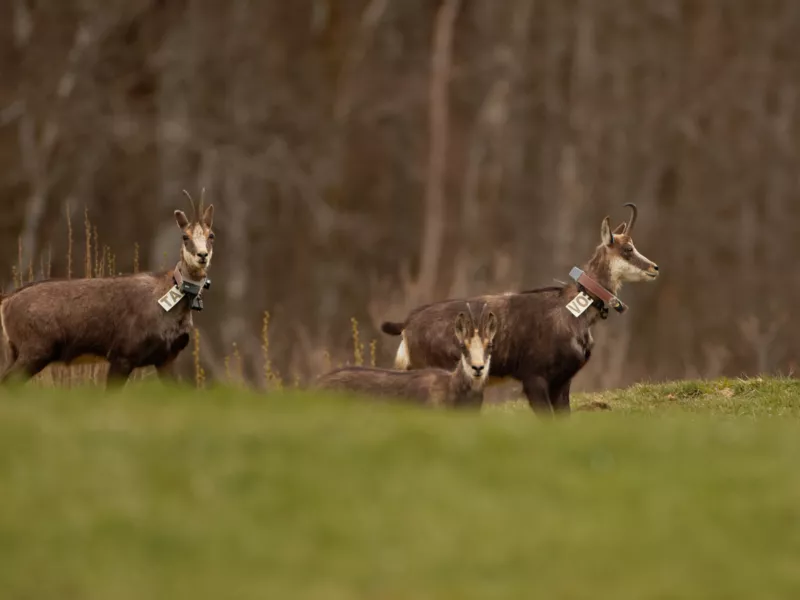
(478, 370)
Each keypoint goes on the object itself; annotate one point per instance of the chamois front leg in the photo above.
(560, 398)
(118, 372)
(538, 394)
(23, 368)
(166, 370)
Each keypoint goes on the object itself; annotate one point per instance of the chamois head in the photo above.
(198, 239)
(622, 260)
(475, 342)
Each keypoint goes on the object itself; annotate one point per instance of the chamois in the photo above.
(545, 335)
(130, 321)
(461, 387)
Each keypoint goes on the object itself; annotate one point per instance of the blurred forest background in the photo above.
(365, 156)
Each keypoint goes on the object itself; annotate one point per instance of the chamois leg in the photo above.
(560, 398)
(166, 370)
(23, 369)
(536, 390)
(118, 372)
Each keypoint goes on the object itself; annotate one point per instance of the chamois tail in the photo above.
(392, 328)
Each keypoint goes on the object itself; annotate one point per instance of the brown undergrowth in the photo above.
(99, 260)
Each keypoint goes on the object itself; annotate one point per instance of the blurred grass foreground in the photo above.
(688, 490)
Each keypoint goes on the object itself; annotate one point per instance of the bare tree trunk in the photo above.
(173, 134)
(433, 225)
(37, 147)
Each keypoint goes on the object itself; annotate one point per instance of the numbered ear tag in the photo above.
(579, 304)
(171, 298)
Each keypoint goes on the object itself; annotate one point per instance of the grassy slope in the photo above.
(232, 495)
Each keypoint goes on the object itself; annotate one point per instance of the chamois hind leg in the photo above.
(560, 396)
(538, 394)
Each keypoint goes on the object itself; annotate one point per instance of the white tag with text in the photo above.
(171, 298)
(579, 304)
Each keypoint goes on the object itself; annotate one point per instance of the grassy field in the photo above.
(686, 490)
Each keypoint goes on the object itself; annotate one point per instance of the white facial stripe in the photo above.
(476, 356)
(199, 239)
(476, 351)
(623, 270)
(200, 242)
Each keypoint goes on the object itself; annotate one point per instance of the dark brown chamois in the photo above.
(540, 341)
(461, 387)
(130, 321)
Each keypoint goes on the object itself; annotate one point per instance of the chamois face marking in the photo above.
(198, 241)
(625, 262)
(476, 345)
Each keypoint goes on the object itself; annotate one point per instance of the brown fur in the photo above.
(117, 318)
(539, 342)
(460, 387)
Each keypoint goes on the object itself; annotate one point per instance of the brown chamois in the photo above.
(130, 321)
(461, 387)
(544, 336)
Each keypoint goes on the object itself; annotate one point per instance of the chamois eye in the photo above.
(211, 236)
(185, 238)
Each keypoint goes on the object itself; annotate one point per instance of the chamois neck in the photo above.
(599, 269)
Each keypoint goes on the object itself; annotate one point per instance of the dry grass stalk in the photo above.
(199, 373)
(238, 365)
(97, 266)
(69, 243)
(358, 348)
(88, 231)
(20, 268)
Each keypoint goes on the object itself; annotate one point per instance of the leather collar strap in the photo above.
(596, 290)
(191, 288)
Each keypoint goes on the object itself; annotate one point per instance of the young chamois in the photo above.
(544, 336)
(130, 321)
(461, 387)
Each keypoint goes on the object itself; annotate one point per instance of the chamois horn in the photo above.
(632, 220)
(191, 200)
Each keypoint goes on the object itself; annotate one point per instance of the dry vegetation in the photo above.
(101, 261)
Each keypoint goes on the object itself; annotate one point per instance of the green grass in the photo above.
(156, 493)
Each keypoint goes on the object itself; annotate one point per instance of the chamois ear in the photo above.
(620, 229)
(490, 326)
(605, 232)
(208, 216)
(181, 220)
(462, 331)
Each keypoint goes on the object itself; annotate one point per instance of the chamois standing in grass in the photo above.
(461, 387)
(131, 321)
(540, 342)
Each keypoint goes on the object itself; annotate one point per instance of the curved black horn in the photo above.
(191, 200)
(632, 220)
